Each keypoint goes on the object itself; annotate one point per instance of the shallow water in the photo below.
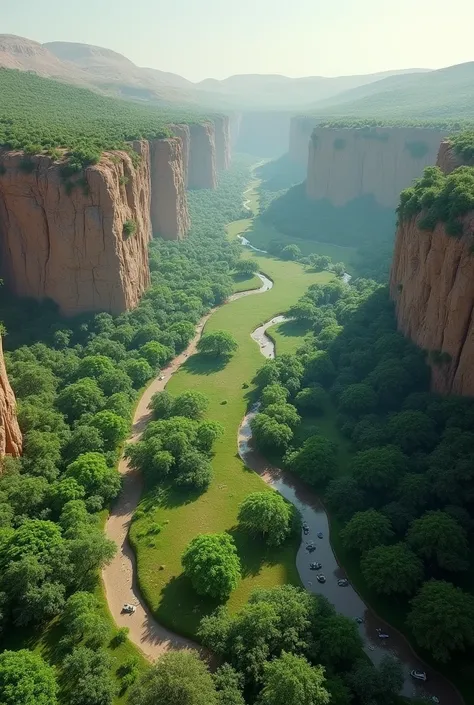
(345, 599)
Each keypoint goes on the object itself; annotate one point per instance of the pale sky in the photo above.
(218, 38)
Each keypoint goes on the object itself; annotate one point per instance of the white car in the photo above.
(418, 675)
(129, 609)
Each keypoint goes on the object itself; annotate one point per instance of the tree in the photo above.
(82, 621)
(339, 642)
(219, 343)
(344, 496)
(442, 619)
(156, 354)
(92, 473)
(207, 434)
(112, 428)
(84, 439)
(178, 678)
(273, 394)
(269, 434)
(94, 366)
(115, 381)
(291, 680)
(229, 685)
(392, 570)
(138, 370)
(162, 404)
(79, 398)
(266, 513)
(319, 369)
(366, 530)
(90, 550)
(373, 684)
(315, 461)
(437, 536)
(413, 431)
(358, 399)
(283, 413)
(379, 468)
(192, 404)
(312, 399)
(303, 310)
(319, 262)
(88, 677)
(26, 679)
(211, 563)
(291, 252)
(246, 267)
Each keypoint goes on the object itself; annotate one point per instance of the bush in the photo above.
(129, 228)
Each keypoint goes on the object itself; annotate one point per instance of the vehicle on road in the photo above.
(305, 529)
(310, 547)
(321, 578)
(418, 675)
(382, 635)
(129, 609)
(315, 566)
(320, 535)
(343, 582)
(360, 620)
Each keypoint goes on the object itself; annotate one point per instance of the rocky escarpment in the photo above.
(202, 172)
(223, 142)
(432, 284)
(169, 207)
(345, 164)
(184, 133)
(82, 244)
(10, 435)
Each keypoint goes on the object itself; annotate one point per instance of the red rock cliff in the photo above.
(432, 284)
(169, 206)
(184, 133)
(71, 245)
(344, 164)
(202, 171)
(10, 435)
(223, 142)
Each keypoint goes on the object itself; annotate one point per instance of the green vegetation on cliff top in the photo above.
(39, 114)
(463, 144)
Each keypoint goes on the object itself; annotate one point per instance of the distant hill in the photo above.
(444, 93)
(114, 74)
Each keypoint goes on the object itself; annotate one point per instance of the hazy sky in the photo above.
(218, 38)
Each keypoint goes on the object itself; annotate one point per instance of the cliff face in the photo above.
(184, 133)
(432, 284)
(10, 435)
(223, 142)
(202, 171)
(169, 206)
(301, 129)
(344, 164)
(72, 245)
(447, 160)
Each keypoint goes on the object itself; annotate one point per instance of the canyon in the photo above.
(346, 163)
(432, 285)
(10, 434)
(82, 240)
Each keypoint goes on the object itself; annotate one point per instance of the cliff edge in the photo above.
(346, 163)
(81, 242)
(10, 434)
(169, 206)
(432, 284)
(202, 172)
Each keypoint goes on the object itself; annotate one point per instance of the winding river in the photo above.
(345, 599)
(120, 577)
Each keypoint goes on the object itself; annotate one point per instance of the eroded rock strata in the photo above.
(169, 206)
(432, 284)
(345, 164)
(202, 172)
(82, 244)
(10, 434)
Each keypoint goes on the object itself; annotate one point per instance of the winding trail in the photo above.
(346, 600)
(120, 576)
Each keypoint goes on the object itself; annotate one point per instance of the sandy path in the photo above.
(120, 577)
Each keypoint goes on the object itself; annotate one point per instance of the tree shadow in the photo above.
(181, 608)
(168, 496)
(292, 329)
(205, 364)
(253, 552)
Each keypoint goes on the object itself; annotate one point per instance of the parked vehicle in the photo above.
(343, 582)
(360, 620)
(129, 609)
(418, 675)
(382, 635)
(315, 566)
(310, 547)
(321, 578)
(320, 535)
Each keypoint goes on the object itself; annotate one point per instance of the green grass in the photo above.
(245, 283)
(182, 517)
(288, 336)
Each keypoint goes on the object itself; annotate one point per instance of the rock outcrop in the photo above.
(184, 133)
(169, 206)
(223, 142)
(81, 243)
(432, 284)
(10, 434)
(345, 164)
(202, 172)
(448, 160)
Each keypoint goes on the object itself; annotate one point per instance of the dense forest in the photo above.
(38, 114)
(76, 382)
